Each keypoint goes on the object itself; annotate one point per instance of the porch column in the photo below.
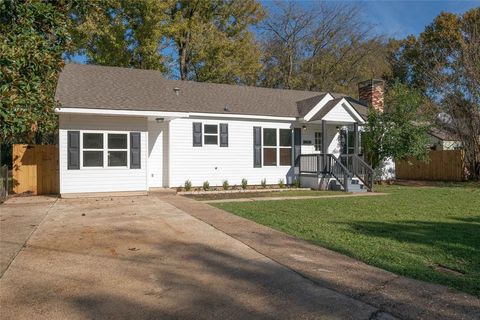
(324, 143)
(356, 146)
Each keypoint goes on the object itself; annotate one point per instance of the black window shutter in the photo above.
(223, 134)
(297, 145)
(135, 150)
(197, 134)
(257, 147)
(73, 147)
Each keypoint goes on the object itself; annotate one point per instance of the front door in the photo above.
(347, 140)
(347, 146)
(156, 133)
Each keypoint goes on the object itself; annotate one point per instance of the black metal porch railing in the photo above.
(342, 168)
(320, 164)
(338, 171)
(359, 168)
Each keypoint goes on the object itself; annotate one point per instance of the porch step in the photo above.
(354, 185)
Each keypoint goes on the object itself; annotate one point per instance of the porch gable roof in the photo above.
(338, 109)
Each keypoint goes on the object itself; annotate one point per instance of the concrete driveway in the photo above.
(142, 258)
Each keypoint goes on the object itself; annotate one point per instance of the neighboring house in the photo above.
(133, 130)
(443, 140)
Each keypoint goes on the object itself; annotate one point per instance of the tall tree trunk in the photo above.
(183, 56)
(289, 72)
(183, 63)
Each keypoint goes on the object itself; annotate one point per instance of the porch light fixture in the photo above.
(226, 109)
(304, 127)
(338, 128)
(159, 120)
(177, 90)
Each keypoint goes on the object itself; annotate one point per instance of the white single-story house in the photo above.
(123, 129)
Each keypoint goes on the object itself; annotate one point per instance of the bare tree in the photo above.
(286, 33)
(326, 46)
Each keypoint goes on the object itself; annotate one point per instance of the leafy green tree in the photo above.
(123, 33)
(443, 62)
(212, 39)
(401, 130)
(202, 40)
(33, 37)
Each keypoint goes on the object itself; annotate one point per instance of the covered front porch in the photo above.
(331, 154)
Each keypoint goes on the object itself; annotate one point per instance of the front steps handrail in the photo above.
(359, 168)
(343, 168)
(364, 172)
(336, 168)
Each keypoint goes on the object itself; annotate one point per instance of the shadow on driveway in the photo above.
(142, 258)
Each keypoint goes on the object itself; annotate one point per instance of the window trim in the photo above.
(277, 148)
(82, 150)
(211, 134)
(105, 150)
(127, 150)
(285, 147)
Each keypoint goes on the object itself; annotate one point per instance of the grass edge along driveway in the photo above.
(426, 233)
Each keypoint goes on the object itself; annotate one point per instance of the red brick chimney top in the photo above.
(371, 92)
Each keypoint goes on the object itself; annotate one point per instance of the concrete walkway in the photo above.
(369, 194)
(144, 258)
(402, 297)
(19, 218)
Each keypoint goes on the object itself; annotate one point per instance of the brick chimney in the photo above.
(371, 92)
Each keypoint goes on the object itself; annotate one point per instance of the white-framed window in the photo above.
(104, 149)
(269, 147)
(318, 141)
(92, 149)
(277, 147)
(285, 152)
(117, 149)
(210, 134)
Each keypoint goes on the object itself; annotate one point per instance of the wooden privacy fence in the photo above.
(35, 169)
(446, 165)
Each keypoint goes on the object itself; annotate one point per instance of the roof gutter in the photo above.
(110, 112)
(241, 116)
(166, 114)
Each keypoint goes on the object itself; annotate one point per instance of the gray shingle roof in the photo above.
(304, 106)
(443, 134)
(358, 106)
(100, 87)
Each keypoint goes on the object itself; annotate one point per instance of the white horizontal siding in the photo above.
(102, 179)
(333, 143)
(214, 163)
(338, 113)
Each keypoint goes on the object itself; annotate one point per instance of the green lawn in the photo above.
(427, 233)
(238, 195)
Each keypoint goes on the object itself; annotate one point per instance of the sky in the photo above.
(398, 19)
(395, 19)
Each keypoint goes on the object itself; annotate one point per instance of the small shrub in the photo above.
(263, 183)
(296, 183)
(188, 185)
(206, 185)
(225, 185)
(244, 183)
(281, 183)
